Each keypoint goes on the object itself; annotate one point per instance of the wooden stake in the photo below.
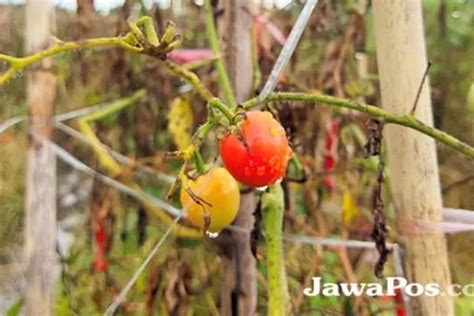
(401, 56)
(40, 207)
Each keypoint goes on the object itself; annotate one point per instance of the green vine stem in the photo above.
(18, 63)
(191, 77)
(199, 162)
(144, 46)
(134, 41)
(257, 73)
(406, 120)
(219, 64)
(272, 211)
(217, 104)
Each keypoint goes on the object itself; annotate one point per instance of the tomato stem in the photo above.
(217, 104)
(199, 162)
(219, 64)
(406, 120)
(272, 211)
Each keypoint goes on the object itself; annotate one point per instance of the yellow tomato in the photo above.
(216, 193)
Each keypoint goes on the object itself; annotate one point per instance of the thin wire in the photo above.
(123, 293)
(332, 242)
(140, 195)
(287, 49)
(117, 155)
(11, 122)
(82, 111)
(58, 118)
(72, 114)
(458, 215)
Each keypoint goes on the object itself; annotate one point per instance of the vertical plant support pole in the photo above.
(40, 208)
(272, 211)
(239, 293)
(401, 57)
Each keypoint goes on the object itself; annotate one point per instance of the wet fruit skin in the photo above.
(257, 152)
(221, 196)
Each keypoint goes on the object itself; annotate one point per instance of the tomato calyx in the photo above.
(240, 136)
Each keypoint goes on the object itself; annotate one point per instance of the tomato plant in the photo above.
(214, 197)
(256, 153)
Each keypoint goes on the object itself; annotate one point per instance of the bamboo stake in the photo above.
(40, 204)
(401, 56)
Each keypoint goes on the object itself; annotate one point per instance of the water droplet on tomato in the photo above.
(262, 189)
(212, 235)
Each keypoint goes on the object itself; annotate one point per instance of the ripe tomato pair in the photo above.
(255, 153)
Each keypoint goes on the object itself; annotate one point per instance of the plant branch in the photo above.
(199, 162)
(17, 64)
(135, 41)
(191, 77)
(219, 64)
(217, 104)
(373, 111)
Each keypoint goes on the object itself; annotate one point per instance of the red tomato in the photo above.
(257, 153)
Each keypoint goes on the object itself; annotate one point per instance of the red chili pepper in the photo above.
(330, 147)
(329, 182)
(100, 261)
(400, 307)
(397, 301)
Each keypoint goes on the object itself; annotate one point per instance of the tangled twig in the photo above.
(380, 230)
